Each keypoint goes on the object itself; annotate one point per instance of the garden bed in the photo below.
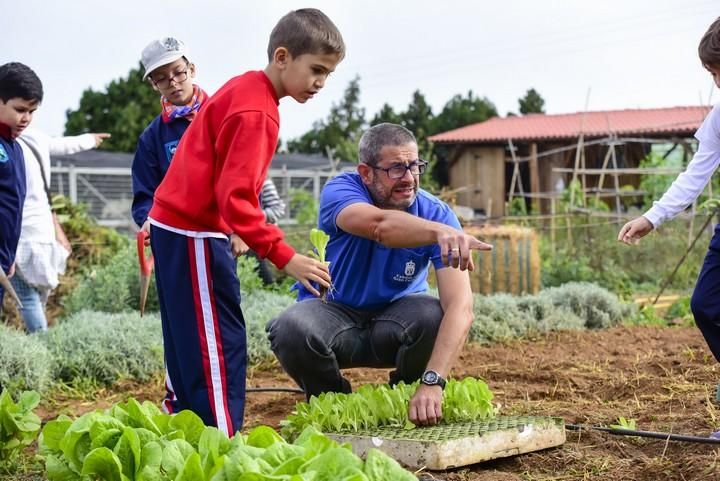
(663, 378)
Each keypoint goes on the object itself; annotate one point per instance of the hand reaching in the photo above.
(633, 231)
(99, 137)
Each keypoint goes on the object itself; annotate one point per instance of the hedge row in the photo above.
(104, 347)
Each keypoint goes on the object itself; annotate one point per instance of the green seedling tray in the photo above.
(452, 445)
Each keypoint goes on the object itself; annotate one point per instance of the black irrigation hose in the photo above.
(275, 389)
(644, 434)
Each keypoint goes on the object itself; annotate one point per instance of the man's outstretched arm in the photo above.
(394, 228)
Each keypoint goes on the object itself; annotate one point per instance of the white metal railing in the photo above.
(107, 191)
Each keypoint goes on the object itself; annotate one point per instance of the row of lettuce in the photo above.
(99, 348)
(137, 442)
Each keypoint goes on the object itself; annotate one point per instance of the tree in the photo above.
(386, 114)
(531, 103)
(124, 109)
(340, 132)
(460, 111)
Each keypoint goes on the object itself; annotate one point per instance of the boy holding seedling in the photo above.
(21, 92)
(705, 303)
(212, 188)
(384, 232)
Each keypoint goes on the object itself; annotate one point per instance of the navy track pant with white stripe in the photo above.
(705, 302)
(203, 327)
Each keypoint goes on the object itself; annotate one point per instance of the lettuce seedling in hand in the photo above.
(319, 240)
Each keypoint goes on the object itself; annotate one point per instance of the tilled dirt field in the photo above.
(663, 378)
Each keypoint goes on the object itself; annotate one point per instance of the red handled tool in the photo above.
(146, 267)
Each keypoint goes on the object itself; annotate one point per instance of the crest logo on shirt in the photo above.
(4, 157)
(409, 268)
(170, 149)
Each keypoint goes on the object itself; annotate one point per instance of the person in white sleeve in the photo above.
(43, 248)
(705, 302)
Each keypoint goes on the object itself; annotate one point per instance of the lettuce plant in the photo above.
(136, 442)
(386, 406)
(319, 239)
(19, 425)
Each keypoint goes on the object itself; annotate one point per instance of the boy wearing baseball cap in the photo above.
(211, 189)
(171, 73)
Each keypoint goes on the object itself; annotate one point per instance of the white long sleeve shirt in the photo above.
(688, 185)
(38, 259)
(37, 219)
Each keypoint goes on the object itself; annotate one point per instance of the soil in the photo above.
(663, 378)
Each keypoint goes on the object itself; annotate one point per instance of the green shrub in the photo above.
(258, 308)
(561, 319)
(680, 308)
(646, 315)
(593, 254)
(112, 287)
(25, 362)
(571, 306)
(599, 307)
(303, 207)
(536, 306)
(115, 286)
(250, 280)
(498, 317)
(103, 348)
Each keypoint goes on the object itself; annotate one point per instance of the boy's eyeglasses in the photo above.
(178, 78)
(398, 171)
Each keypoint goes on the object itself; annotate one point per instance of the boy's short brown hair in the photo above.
(709, 48)
(307, 30)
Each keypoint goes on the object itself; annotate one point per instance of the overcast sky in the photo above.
(611, 54)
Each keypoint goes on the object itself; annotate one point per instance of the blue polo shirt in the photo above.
(366, 274)
(155, 149)
(12, 197)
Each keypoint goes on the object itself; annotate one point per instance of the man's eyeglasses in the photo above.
(178, 78)
(398, 171)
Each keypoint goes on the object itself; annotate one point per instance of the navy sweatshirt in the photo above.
(12, 196)
(155, 150)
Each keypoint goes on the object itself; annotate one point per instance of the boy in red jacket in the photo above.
(211, 189)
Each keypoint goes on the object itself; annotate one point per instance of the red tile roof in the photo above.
(674, 120)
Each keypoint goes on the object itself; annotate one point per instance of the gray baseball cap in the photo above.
(161, 52)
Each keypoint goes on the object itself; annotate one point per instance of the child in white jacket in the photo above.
(43, 247)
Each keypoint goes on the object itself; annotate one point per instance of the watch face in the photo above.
(430, 377)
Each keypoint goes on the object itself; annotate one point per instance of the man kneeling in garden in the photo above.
(384, 232)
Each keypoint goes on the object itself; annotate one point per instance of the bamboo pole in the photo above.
(534, 176)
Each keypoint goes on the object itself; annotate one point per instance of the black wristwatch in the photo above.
(431, 378)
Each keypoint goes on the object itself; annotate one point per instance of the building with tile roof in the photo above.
(479, 157)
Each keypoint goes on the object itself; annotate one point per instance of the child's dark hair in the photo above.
(709, 48)
(19, 80)
(306, 31)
